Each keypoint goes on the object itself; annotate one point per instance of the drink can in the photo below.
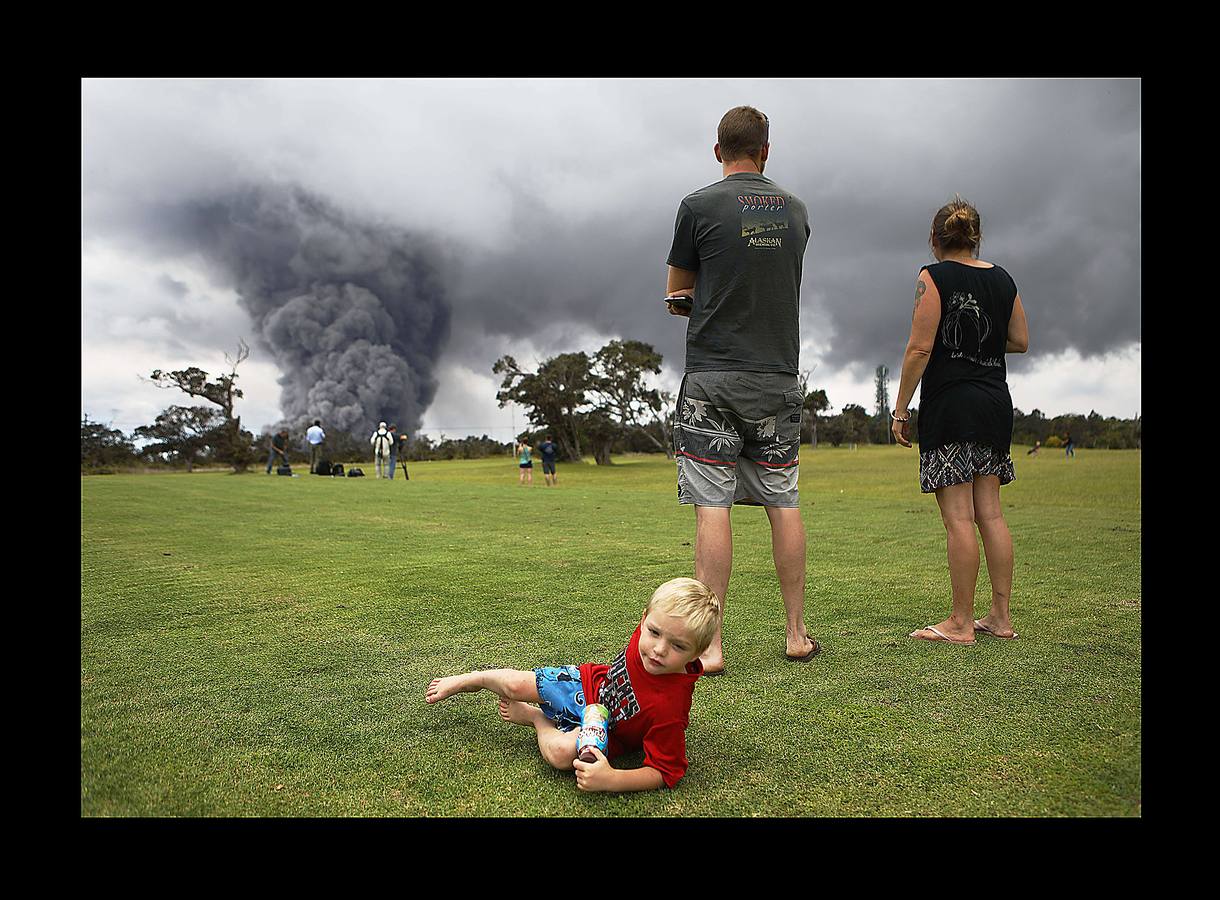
(594, 732)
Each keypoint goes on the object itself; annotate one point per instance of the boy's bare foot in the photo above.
(440, 688)
(518, 712)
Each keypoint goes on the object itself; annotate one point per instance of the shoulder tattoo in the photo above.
(920, 288)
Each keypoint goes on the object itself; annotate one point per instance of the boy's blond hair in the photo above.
(694, 602)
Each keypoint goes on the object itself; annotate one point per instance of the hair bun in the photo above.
(957, 225)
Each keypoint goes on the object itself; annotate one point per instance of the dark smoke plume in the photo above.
(353, 312)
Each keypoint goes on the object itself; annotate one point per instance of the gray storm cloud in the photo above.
(353, 312)
(547, 228)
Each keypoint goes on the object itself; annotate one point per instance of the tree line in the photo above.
(212, 435)
(599, 404)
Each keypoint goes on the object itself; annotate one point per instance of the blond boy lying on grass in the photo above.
(648, 690)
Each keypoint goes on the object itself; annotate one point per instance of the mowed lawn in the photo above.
(259, 646)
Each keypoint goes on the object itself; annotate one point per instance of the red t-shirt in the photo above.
(646, 710)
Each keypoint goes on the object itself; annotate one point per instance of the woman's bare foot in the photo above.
(518, 712)
(440, 688)
(1001, 628)
(947, 630)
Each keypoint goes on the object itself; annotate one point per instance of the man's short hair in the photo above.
(692, 601)
(318, 422)
(742, 133)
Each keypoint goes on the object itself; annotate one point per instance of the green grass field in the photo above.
(259, 646)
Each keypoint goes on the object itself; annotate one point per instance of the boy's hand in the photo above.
(594, 776)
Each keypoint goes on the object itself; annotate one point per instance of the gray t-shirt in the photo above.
(745, 238)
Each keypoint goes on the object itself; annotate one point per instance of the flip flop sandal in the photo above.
(716, 674)
(940, 636)
(983, 629)
(817, 648)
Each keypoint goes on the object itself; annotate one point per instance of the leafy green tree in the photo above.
(553, 396)
(182, 432)
(816, 403)
(601, 432)
(103, 448)
(233, 444)
(665, 420)
(419, 448)
(598, 403)
(832, 429)
(855, 423)
(619, 391)
(470, 448)
(343, 447)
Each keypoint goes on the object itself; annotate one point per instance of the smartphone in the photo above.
(680, 302)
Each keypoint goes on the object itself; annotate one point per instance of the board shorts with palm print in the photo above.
(736, 438)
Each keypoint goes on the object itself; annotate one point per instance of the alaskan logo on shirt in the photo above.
(760, 214)
(617, 694)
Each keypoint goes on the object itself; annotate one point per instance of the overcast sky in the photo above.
(380, 243)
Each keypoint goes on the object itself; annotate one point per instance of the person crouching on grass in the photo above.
(648, 690)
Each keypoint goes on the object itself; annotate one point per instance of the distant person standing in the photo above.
(524, 463)
(968, 315)
(1069, 448)
(734, 268)
(393, 448)
(548, 450)
(278, 447)
(382, 441)
(315, 435)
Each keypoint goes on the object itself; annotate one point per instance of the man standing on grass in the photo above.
(736, 259)
(382, 441)
(278, 447)
(315, 435)
(393, 430)
(548, 450)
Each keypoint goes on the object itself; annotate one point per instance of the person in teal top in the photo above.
(524, 463)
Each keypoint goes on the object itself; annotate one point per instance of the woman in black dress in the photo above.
(968, 314)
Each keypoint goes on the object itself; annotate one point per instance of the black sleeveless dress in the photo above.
(965, 409)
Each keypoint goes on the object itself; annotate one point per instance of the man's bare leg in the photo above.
(713, 565)
(513, 684)
(557, 747)
(788, 550)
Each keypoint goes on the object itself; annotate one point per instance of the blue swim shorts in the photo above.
(561, 695)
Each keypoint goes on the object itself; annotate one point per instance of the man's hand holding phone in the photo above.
(680, 304)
